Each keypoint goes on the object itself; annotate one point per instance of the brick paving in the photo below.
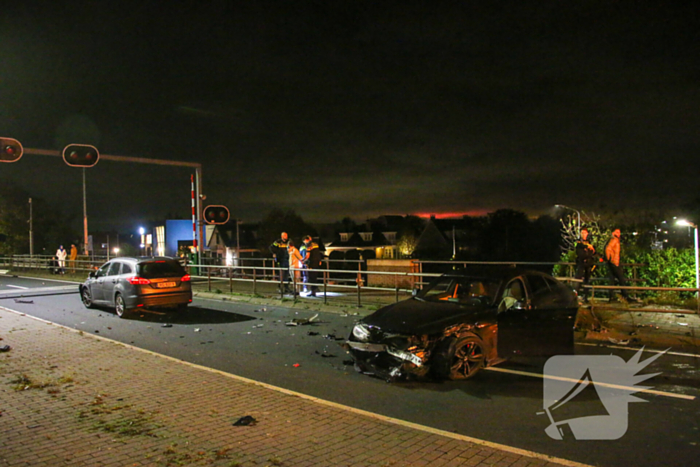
(68, 398)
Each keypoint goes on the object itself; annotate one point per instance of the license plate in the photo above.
(163, 285)
(416, 360)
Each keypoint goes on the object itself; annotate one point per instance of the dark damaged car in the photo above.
(463, 322)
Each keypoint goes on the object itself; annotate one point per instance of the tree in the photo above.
(504, 237)
(50, 227)
(408, 234)
(570, 231)
(278, 221)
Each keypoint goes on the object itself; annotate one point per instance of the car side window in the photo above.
(513, 293)
(103, 270)
(114, 269)
(127, 269)
(538, 285)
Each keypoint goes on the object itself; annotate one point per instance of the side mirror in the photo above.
(414, 292)
(91, 274)
(524, 305)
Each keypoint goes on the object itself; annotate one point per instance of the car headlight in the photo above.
(361, 332)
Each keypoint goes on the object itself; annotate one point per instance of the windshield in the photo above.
(463, 290)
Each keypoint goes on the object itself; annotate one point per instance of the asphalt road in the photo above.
(502, 407)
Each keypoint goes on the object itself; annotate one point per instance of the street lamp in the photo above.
(685, 223)
(142, 232)
(561, 206)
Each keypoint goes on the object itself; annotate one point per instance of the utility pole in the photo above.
(31, 229)
(238, 244)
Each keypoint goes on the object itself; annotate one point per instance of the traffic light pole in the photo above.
(140, 160)
(85, 223)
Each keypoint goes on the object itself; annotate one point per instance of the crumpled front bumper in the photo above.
(384, 361)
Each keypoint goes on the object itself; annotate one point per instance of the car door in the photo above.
(558, 307)
(110, 282)
(538, 322)
(514, 325)
(97, 285)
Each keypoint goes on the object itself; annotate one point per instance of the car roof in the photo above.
(144, 259)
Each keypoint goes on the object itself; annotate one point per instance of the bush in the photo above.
(662, 268)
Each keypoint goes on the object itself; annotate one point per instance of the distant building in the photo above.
(224, 241)
(448, 238)
(374, 239)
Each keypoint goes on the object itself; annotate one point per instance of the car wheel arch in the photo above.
(448, 355)
(120, 305)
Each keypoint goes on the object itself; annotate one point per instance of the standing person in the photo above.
(585, 260)
(304, 272)
(312, 260)
(61, 254)
(73, 257)
(612, 257)
(281, 258)
(295, 263)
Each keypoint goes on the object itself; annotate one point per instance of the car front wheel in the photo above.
(86, 297)
(120, 306)
(459, 358)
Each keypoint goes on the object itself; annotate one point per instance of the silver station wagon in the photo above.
(127, 284)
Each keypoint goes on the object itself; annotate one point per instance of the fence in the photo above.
(347, 284)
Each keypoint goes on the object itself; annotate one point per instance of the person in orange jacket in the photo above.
(612, 257)
(73, 256)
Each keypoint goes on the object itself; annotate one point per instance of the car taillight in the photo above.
(185, 278)
(138, 281)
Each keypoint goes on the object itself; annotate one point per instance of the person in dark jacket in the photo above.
(585, 261)
(280, 254)
(312, 262)
(304, 272)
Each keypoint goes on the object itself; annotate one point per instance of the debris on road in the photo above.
(296, 365)
(333, 337)
(23, 300)
(196, 329)
(312, 333)
(245, 421)
(166, 325)
(5, 348)
(302, 321)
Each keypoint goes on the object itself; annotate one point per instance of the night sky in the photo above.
(356, 108)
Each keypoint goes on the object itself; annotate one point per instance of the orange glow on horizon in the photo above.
(452, 215)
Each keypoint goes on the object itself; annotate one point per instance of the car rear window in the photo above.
(156, 269)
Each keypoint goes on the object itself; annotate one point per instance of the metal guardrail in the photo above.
(353, 279)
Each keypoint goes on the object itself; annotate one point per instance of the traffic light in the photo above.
(216, 214)
(11, 150)
(81, 155)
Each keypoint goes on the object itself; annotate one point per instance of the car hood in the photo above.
(417, 317)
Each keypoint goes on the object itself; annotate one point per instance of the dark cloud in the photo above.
(359, 108)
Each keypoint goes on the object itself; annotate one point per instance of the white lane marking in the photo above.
(17, 287)
(376, 416)
(680, 354)
(597, 383)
